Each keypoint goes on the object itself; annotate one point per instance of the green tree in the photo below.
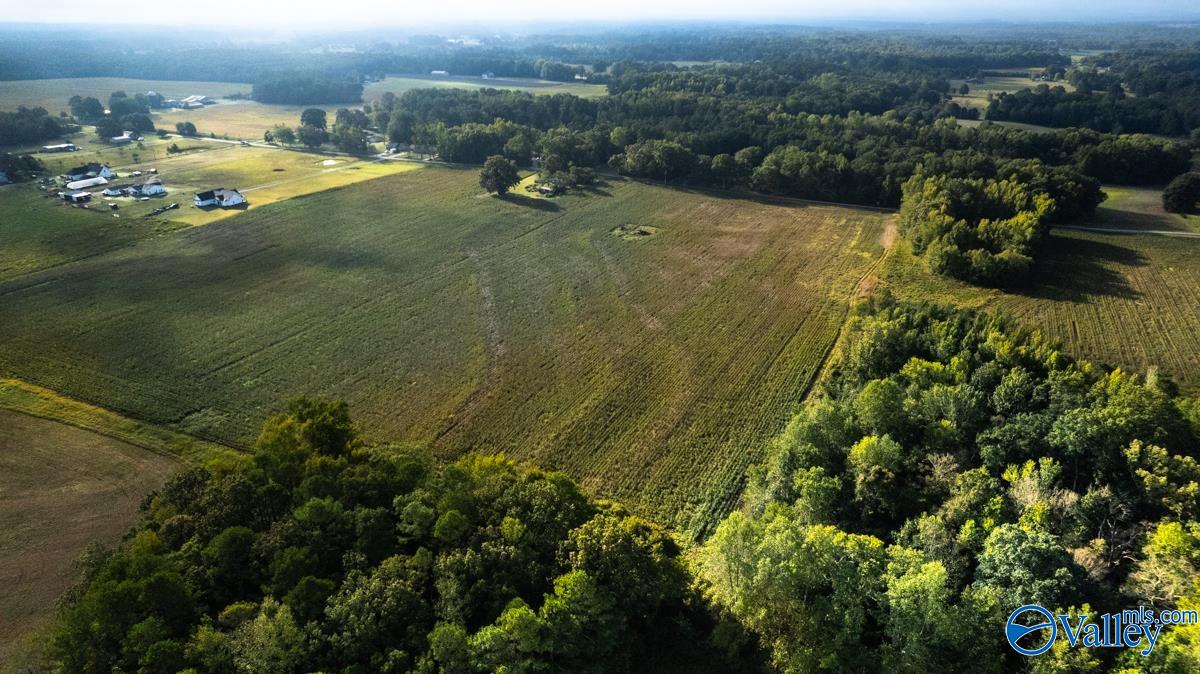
(185, 128)
(314, 117)
(311, 136)
(1182, 193)
(498, 175)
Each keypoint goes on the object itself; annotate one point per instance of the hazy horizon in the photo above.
(273, 15)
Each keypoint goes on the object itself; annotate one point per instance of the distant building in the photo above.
(89, 170)
(114, 190)
(86, 183)
(488, 76)
(439, 72)
(4, 179)
(219, 197)
(76, 196)
(61, 147)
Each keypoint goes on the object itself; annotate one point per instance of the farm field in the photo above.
(61, 489)
(1130, 301)
(53, 94)
(652, 368)
(977, 97)
(400, 84)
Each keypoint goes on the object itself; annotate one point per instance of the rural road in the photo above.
(1114, 230)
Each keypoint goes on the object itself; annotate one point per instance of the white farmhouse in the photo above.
(90, 170)
(219, 197)
(153, 188)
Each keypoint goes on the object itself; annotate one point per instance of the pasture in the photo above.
(61, 489)
(651, 368)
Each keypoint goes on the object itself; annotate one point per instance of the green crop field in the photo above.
(61, 489)
(401, 84)
(652, 367)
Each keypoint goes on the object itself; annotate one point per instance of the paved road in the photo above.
(1114, 230)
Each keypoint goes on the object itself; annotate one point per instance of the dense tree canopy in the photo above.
(949, 471)
(320, 553)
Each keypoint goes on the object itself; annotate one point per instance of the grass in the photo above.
(1140, 208)
(61, 489)
(652, 370)
(1130, 301)
(399, 85)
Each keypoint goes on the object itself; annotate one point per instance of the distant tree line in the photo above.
(20, 167)
(30, 125)
(295, 88)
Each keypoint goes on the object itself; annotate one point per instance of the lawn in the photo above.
(400, 84)
(61, 489)
(653, 368)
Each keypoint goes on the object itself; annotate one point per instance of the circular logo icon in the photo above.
(1036, 619)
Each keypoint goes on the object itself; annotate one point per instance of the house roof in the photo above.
(223, 193)
(205, 196)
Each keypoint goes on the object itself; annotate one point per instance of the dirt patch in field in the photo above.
(61, 488)
(888, 237)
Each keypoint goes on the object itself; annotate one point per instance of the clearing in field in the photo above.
(652, 370)
(61, 489)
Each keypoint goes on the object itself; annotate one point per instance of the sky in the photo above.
(361, 13)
